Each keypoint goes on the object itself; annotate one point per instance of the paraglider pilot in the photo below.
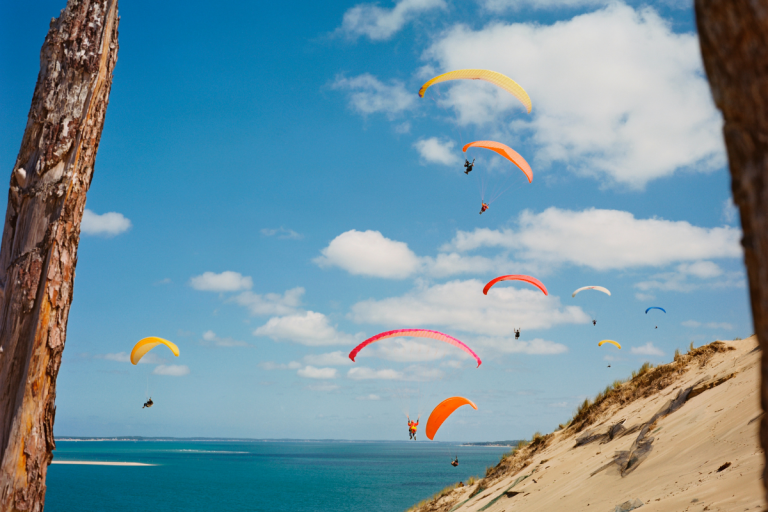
(455, 462)
(412, 426)
(594, 322)
(517, 334)
(468, 165)
(483, 208)
(148, 403)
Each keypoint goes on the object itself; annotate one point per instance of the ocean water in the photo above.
(296, 476)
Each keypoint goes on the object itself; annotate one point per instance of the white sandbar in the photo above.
(96, 463)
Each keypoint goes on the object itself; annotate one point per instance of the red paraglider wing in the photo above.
(415, 333)
(516, 277)
(505, 151)
(442, 411)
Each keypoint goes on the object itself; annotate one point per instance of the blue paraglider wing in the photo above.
(654, 307)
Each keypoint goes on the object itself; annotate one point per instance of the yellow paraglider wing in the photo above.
(609, 341)
(147, 344)
(442, 411)
(493, 77)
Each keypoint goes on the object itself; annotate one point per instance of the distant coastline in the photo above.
(511, 444)
(251, 440)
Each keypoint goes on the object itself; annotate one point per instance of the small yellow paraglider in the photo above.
(143, 346)
(609, 341)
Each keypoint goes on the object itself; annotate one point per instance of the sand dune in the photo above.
(679, 437)
(97, 463)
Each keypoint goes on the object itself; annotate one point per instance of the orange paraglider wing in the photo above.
(442, 411)
(505, 151)
(516, 277)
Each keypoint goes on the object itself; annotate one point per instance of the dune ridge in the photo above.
(676, 437)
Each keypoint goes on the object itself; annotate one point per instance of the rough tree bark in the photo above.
(734, 44)
(38, 254)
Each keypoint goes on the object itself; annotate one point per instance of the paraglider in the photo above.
(516, 277)
(596, 288)
(609, 341)
(493, 77)
(594, 322)
(143, 346)
(415, 333)
(412, 426)
(517, 334)
(148, 403)
(655, 307)
(505, 151)
(468, 165)
(483, 207)
(443, 410)
(455, 462)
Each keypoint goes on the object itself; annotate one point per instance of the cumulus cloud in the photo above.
(605, 240)
(107, 224)
(647, 350)
(499, 6)
(461, 306)
(210, 337)
(536, 346)
(365, 373)
(437, 151)
(337, 358)
(680, 280)
(270, 365)
(369, 397)
(125, 357)
(369, 253)
(369, 95)
(404, 350)
(307, 328)
(730, 211)
(227, 281)
(271, 303)
(379, 24)
(617, 94)
(323, 386)
(282, 233)
(172, 370)
(310, 372)
(691, 323)
(710, 325)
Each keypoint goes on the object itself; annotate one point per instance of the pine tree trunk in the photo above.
(734, 44)
(38, 254)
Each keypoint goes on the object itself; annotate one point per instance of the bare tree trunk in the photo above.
(42, 230)
(734, 44)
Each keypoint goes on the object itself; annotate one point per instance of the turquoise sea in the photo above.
(270, 476)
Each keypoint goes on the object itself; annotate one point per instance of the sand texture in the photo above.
(680, 437)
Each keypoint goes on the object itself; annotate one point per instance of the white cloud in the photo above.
(210, 337)
(605, 239)
(536, 346)
(403, 128)
(271, 303)
(310, 372)
(679, 280)
(379, 24)
(701, 269)
(369, 95)
(647, 350)
(461, 305)
(172, 370)
(498, 6)
(437, 151)
(282, 233)
(636, 109)
(369, 253)
(404, 350)
(269, 365)
(691, 323)
(227, 281)
(337, 358)
(369, 397)
(730, 211)
(323, 386)
(125, 357)
(365, 373)
(107, 224)
(644, 297)
(307, 328)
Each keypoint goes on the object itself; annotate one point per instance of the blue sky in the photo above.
(270, 190)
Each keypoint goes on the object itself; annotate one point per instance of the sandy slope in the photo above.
(680, 472)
